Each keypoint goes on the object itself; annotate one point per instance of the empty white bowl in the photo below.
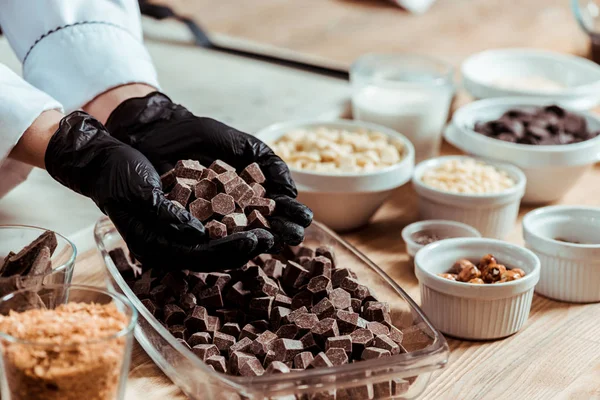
(550, 170)
(439, 227)
(345, 201)
(492, 214)
(485, 76)
(472, 311)
(570, 271)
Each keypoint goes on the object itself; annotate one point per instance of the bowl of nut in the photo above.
(344, 170)
(477, 289)
(480, 193)
(552, 145)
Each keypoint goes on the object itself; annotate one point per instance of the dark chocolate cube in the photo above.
(190, 169)
(205, 189)
(253, 174)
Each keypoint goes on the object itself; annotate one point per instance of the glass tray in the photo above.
(198, 381)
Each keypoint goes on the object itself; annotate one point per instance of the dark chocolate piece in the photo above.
(263, 205)
(340, 299)
(222, 204)
(320, 361)
(415, 337)
(42, 265)
(201, 209)
(235, 222)
(216, 229)
(319, 286)
(323, 329)
(142, 289)
(187, 301)
(237, 360)
(221, 166)
(384, 342)
(289, 331)
(328, 252)
(347, 321)
(199, 338)
(258, 190)
(241, 193)
(361, 339)
(223, 341)
(197, 321)
(305, 322)
(181, 192)
(218, 363)
(231, 328)
(274, 269)
(252, 367)
(205, 189)
(261, 306)
(173, 314)
(377, 311)
(257, 221)
(282, 300)
(253, 174)
(227, 182)
(286, 349)
(176, 282)
(204, 351)
(208, 174)
(339, 342)
(178, 331)
(219, 279)
(183, 342)
(168, 180)
(303, 298)
(399, 386)
(303, 360)
(294, 274)
(211, 297)
(213, 323)
(278, 315)
(150, 306)
(237, 294)
(20, 263)
(339, 275)
(190, 169)
(277, 367)
(374, 352)
(323, 309)
(250, 332)
(243, 345)
(378, 328)
(356, 305)
(337, 356)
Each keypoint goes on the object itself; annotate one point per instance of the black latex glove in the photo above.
(166, 133)
(125, 186)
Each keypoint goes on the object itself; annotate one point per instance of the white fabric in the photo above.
(72, 50)
(20, 105)
(75, 50)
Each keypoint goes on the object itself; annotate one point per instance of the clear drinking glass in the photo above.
(16, 237)
(83, 369)
(405, 92)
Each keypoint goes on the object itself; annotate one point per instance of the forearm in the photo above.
(101, 106)
(31, 148)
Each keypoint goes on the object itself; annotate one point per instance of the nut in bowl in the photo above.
(474, 310)
(556, 155)
(344, 170)
(567, 241)
(479, 193)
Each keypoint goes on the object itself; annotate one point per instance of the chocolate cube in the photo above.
(205, 189)
(235, 222)
(263, 205)
(221, 166)
(216, 229)
(201, 209)
(253, 174)
(222, 204)
(189, 169)
(257, 221)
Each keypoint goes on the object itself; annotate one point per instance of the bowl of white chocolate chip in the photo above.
(344, 170)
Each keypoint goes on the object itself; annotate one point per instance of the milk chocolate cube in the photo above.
(303, 360)
(199, 338)
(384, 342)
(181, 191)
(339, 275)
(178, 331)
(286, 349)
(190, 169)
(204, 351)
(243, 345)
(218, 363)
(231, 328)
(319, 286)
(211, 297)
(263, 205)
(261, 306)
(306, 322)
(303, 298)
(340, 299)
(253, 174)
(324, 309)
(223, 341)
(208, 174)
(262, 343)
(201, 209)
(216, 229)
(339, 342)
(273, 268)
(258, 190)
(281, 300)
(337, 356)
(320, 361)
(374, 352)
(222, 204)
(252, 367)
(168, 180)
(361, 339)
(378, 328)
(277, 367)
(328, 252)
(221, 166)
(257, 221)
(237, 360)
(173, 314)
(187, 301)
(205, 189)
(294, 274)
(249, 331)
(377, 311)
(289, 331)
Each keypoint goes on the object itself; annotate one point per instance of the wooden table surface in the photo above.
(555, 356)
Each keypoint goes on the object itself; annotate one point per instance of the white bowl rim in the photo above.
(458, 122)
(469, 290)
(542, 212)
(518, 188)
(531, 53)
(419, 226)
(409, 149)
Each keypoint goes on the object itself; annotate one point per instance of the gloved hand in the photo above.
(166, 132)
(125, 186)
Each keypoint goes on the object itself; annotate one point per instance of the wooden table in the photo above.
(555, 356)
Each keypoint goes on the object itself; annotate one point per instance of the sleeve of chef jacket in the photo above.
(75, 50)
(20, 105)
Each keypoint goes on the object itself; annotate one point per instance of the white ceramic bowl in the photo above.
(483, 72)
(492, 214)
(469, 311)
(439, 227)
(345, 201)
(570, 272)
(551, 170)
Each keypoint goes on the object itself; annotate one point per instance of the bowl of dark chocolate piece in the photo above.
(316, 321)
(553, 146)
(31, 257)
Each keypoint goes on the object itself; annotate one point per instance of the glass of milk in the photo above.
(406, 92)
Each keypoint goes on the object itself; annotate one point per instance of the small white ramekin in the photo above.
(345, 201)
(570, 272)
(493, 214)
(470, 311)
(442, 228)
(550, 170)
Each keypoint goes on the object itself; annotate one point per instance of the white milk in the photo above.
(417, 111)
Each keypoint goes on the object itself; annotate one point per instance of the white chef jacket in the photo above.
(71, 51)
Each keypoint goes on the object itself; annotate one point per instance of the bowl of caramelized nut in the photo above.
(344, 170)
(476, 288)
